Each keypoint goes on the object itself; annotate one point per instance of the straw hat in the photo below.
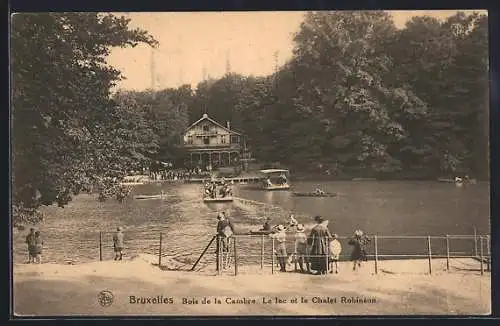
(335, 236)
(300, 227)
(318, 218)
(281, 227)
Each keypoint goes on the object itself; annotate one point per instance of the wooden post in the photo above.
(218, 256)
(100, 245)
(447, 252)
(475, 242)
(488, 253)
(327, 258)
(376, 253)
(159, 252)
(273, 258)
(430, 253)
(262, 252)
(235, 257)
(481, 253)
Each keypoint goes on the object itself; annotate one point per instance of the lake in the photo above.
(389, 208)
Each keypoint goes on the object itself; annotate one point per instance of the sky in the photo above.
(196, 45)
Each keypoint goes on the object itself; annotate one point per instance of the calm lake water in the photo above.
(383, 208)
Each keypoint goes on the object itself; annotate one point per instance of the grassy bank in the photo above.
(400, 287)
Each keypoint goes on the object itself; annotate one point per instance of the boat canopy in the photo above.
(268, 171)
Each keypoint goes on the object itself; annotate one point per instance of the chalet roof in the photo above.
(206, 117)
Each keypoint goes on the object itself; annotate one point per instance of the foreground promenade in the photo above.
(138, 287)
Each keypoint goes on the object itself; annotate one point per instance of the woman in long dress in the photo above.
(319, 240)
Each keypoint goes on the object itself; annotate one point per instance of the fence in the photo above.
(254, 253)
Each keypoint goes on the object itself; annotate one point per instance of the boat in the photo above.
(217, 199)
(275, 179)
(161, 196)
(260, 232)
(314, 194)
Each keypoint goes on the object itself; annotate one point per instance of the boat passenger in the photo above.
(267, 225)
(268, 182)
(319, 191)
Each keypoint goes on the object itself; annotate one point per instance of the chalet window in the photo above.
(206, 128)
(235, 139)
(190, 139)
(222, 139)
(206, 140)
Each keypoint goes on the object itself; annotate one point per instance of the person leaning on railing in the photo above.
(318, 241)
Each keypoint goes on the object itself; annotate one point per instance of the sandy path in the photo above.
(400, 287)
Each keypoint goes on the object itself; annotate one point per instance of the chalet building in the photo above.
(207, 143)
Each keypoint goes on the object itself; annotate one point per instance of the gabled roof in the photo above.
(206, 117)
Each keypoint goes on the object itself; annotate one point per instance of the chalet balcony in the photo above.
(201, 147)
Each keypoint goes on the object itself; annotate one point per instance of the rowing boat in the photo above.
(314, 194)
(217, 199)
(149, 197)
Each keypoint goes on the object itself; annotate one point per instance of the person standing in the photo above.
(301, 248)
(358, 251)
(335, 249)
(225, 230)
(280, 237)
(30, 241)
(118, 243)
(319, 240)
(38, 247)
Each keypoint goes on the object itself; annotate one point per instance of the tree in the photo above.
(65, 127)
(349, 107)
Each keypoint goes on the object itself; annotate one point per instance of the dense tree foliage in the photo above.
(67, 132)
(361, 97)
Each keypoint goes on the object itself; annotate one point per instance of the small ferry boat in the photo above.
(275, 179)
(314, 194)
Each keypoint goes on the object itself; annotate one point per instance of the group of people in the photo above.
(223, 190)
(315, 253)
(319, 251)
(35, 246)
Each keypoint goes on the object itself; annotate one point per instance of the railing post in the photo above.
(488, 253)
(159, 252)
(235, 257)
(217, 255)
(376, 253)
(475, 242)
(481, 253)
(327, 258)
(447, 252)
(262, 252)
(100, 245)
(273, 258)
(430, 253)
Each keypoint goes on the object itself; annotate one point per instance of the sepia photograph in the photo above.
(294, 163)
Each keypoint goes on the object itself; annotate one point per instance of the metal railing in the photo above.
(259, 250)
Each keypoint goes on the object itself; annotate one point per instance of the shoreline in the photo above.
(399, 288)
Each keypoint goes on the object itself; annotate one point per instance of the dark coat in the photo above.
(319, 240)
(359, 248)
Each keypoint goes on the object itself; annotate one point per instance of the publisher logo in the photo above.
(105, 298)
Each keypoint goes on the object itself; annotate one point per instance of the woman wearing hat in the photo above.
(301, 248)
(280, 236)
(319, 240)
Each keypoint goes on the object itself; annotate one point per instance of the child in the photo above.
(335, 249)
